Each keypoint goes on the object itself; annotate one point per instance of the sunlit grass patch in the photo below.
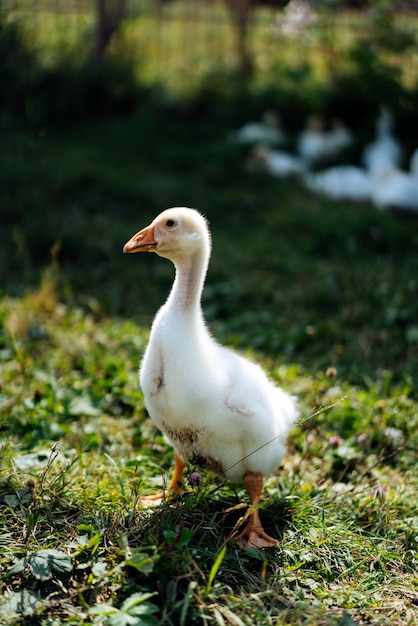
(78, 453)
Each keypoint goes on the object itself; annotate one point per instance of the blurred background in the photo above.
(111, 110)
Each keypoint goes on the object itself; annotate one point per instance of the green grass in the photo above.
(323, 294)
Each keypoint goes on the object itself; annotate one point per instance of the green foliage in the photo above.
(135, 611)
(374, 73)
(346, 73)
(71, 93)
(72, 90)
(43, 564)
(17, 67)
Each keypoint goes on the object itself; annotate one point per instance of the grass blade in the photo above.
(215, 567)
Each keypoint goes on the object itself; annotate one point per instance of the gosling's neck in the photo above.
(186, 293)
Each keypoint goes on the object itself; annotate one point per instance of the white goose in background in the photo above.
(316, 144)
(413, 163)
(277, 163)
(341, 182)
(339, 138)
(268, 131)
(385, 152)
(313, 144)
(206, 399)
(395, 189)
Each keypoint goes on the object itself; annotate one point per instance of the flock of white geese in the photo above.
(379, 180)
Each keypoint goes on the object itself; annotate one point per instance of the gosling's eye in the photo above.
(170, 223)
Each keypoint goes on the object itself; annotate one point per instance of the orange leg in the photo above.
(174, 486)
(253, 534)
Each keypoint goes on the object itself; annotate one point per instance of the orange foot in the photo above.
(254, 534)
(174, 487)
(154, 499)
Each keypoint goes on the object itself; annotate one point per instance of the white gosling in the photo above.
(206, 399)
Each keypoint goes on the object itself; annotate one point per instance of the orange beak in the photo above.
(143, 241)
